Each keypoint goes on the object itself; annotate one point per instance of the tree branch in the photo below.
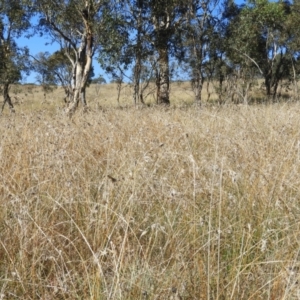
(60, 32)
(256, 64)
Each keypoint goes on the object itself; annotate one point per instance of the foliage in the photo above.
(14, 21)
(99, 80)
(14, 61)
(55, 69)
(256, 38)
(74, 25)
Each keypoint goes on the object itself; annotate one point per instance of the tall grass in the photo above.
(151, 204)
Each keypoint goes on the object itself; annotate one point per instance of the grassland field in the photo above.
(148, 203)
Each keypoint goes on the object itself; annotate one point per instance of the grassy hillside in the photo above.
(31, 97)
(149, 203)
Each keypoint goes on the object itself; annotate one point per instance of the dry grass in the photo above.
(30, 97)
(150, 203)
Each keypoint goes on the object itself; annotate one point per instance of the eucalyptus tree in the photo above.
(138, 47)
(293, 40)
(115, 55)
(166, 18)
(142, 31)
(52, 70)
(233, 72)
(75, 25)
(257, 37)
(14, 60)
(200, 33)
(143, 36)
(293, 43)
(144, 45)
(55, 69)
(129, 48)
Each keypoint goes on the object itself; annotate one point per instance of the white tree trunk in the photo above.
(83, 67)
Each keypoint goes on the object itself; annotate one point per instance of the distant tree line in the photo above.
(215, 41)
